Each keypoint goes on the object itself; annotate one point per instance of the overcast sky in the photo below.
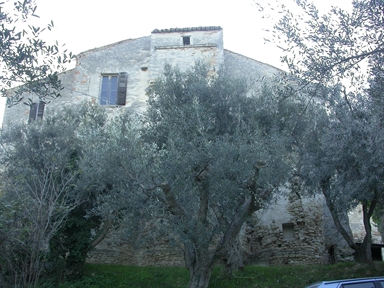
(86, 24)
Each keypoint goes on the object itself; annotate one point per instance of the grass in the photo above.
(118, 276)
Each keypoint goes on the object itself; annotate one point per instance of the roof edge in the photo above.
(188, 29)
(109, 45)
(263, 63)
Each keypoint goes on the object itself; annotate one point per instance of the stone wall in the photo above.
(262, 239)
(83, 83)
(156, 254)
(146, 249)
(143, 60)
(356, 222)
(206, 43)
(302, 243)
(107, 253)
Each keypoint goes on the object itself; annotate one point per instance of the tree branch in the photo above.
(173, 205)
(325, 190)
(104, 231)
(359, 56)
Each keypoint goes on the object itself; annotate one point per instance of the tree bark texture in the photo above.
(199, 263)
(363, 253)
(201, 251)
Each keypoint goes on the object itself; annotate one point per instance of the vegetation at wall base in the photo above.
(118, 276)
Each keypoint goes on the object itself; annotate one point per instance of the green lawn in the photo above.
(118, 276)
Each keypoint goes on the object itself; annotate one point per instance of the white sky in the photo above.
(86, 24)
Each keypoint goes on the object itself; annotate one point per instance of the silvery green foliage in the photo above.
(204, 157)
(345, 147)
(26, 59)
(336, 59)
(39, 188)
(342, 157)
(37, 181)
(332, 47)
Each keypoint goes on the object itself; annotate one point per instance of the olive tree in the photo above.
(42, 197)
(26, 59)
(341, 158)
(37, 181)
(208, 153)
(336, 61)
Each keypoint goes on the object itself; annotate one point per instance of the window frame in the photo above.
(288, 231)
(107, 101)
(36, 111)
(118, 86)
(186, 39)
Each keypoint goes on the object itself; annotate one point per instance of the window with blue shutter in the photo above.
(36, 111)
(114, 89)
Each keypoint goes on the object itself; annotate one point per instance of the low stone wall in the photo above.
(260, 242)
(158, 253)
(268, 244)
(109, 254)
(124, 254)
(312, 239)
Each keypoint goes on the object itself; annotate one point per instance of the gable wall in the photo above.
(130, 56)
(83, 83)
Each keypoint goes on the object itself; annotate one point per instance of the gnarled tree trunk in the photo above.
(234, 259)
(199, 263)
(363, 253)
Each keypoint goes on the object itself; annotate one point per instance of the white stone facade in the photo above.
(143, 60)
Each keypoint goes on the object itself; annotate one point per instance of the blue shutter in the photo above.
(32, 112)
(40, 110)
(122, 88)
(36, 111)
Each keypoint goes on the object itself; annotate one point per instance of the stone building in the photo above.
(117, 75)
(291, 231)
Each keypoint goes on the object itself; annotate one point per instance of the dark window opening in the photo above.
(375, 251)
(36, 111)
(331, 254)
(114, 89)
(186, 40)
(288, 231)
